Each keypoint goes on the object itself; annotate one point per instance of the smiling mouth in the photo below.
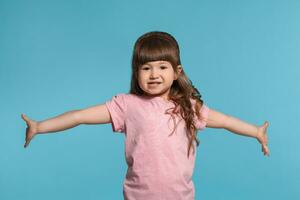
(152, 83)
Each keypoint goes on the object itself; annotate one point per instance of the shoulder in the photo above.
(126, 102)
(125, 98)
(122, 95)
(128, 96)
(197, 105)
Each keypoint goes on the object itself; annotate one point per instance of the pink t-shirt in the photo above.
(158, 167)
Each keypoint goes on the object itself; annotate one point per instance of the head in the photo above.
(157, 71)
(155, 64)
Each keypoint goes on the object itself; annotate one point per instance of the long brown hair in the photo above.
(154, 46)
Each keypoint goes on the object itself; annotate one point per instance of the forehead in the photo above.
(159, 62)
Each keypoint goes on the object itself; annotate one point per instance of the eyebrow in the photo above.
(162, 62)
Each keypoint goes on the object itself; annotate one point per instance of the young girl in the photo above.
(159, 117)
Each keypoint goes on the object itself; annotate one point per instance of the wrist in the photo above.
(257, 136)
(38, 127)
(257, 132)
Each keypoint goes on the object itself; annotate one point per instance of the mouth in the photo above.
(154, 83)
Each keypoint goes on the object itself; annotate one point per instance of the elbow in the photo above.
(76, 116)
(226, 122)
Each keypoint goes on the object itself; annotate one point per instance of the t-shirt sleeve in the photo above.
(117, 109)
(201, 122)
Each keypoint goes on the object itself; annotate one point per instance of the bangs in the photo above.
(156, 49)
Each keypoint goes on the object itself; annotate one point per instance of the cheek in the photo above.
(171, 75)
(141, 76)
(140, 80)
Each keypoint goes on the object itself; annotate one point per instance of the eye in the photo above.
(163, 67)
(145, 68)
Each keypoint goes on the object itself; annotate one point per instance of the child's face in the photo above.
(156, 78)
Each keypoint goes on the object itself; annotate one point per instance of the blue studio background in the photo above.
(57, 56)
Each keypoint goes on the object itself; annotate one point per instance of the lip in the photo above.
(154, 82)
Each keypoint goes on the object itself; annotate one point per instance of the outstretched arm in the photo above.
(219, 120)
(98, 114)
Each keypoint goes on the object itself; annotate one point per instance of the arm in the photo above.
(219, 120)
(93, 115)
(59, 123)
(98, 114)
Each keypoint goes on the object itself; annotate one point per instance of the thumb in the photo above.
(266, 124)
(25, 118)
(264, 127)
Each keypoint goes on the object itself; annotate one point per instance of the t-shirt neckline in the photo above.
(157, 98)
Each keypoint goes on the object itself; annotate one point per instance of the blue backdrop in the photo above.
(57, 56)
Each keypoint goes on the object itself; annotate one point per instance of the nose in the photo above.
(153, 74)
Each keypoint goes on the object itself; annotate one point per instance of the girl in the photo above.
(160, 118)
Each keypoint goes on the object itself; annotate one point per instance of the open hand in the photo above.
(31, 129)
(262, 138)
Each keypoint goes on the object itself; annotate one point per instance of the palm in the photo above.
(262, 138)
(31, 129)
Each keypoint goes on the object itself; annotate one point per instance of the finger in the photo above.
(27, 142)
(25, 118)
(26, 145)
(266, 150)
(266, 124)
(27, 134)
(263, 148)
(264, 132)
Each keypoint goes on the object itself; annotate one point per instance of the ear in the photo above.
(178, 71)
